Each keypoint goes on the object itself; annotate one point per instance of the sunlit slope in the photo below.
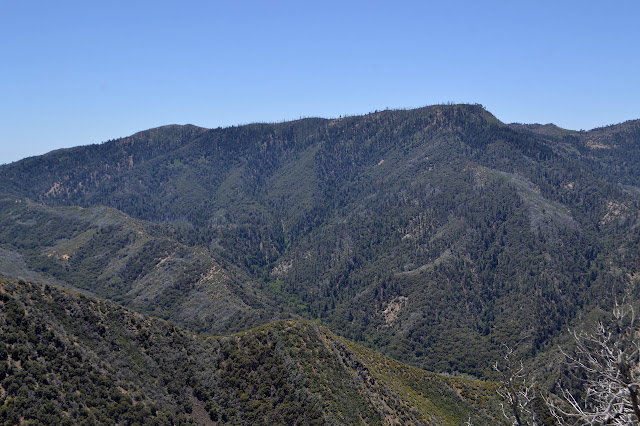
(71, 358)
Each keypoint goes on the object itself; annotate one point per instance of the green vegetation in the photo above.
(72, 359)
(129, 261)
(432, 235)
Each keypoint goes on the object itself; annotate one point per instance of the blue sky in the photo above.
(74, 73)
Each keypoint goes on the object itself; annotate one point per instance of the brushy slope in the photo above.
(114, 256)
(67, 358)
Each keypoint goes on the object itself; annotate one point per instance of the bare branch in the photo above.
(610, 358)
(517, 390)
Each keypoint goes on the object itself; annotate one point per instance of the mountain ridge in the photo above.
(112, 364)
(433, 235)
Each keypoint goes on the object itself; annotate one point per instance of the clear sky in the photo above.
(81, 72)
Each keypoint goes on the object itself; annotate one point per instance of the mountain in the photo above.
(68, 358)
(433, 235)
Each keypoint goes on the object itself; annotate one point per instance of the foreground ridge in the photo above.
(70, 358)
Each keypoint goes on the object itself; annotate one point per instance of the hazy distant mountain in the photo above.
(434, 235)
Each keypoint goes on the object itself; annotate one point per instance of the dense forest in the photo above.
(435, 236)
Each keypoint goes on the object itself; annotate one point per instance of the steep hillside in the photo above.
(434, 235)
(113, 256)
(66, 358)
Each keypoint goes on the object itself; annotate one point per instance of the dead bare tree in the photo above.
(610, 358)
(517, 390)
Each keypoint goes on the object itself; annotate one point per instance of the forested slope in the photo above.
(434, 235)
(113, 256)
